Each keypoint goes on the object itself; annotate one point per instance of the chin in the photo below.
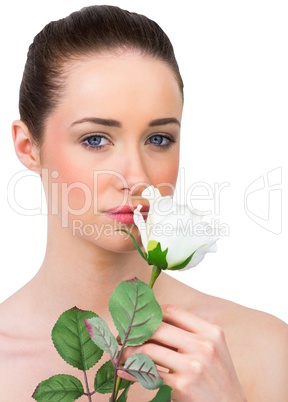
(117, 242)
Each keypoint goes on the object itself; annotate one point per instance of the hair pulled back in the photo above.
(92, 29)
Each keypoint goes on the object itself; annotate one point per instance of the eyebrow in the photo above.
(164, 121)
(116, 123)
(98, 120)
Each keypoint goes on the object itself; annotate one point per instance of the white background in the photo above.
(233, 59)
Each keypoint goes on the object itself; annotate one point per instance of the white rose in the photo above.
(173, 237)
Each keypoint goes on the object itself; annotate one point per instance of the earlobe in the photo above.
(28, 153)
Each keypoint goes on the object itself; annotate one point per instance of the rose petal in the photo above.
(141, 224)
(175, 227)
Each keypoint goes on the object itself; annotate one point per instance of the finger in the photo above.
(176, 338)
(161, 356)
(210, 337)
(123, 374)
(185, 320)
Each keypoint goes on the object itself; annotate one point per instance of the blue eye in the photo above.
(95, 141)
(161, 141)
(156, 139)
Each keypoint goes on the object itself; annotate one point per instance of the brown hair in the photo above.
(92, 29)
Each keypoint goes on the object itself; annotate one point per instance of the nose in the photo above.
(133, 168)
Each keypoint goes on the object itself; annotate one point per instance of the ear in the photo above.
(27, 151)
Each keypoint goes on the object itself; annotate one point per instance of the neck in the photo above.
(75, 272)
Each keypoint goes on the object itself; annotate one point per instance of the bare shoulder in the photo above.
(257, 328)
(234, 318)
(257, 341)
(11, 329)
(11, 313)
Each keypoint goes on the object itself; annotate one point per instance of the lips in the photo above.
(125, 214)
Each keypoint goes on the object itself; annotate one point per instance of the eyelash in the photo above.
(94, 147)
(170, 140)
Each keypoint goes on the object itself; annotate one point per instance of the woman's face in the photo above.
(115, 131)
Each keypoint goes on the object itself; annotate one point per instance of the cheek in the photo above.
(165, 176)
(68, 188)
(66, 196)
(64, 165)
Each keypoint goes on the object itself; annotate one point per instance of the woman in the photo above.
(101, 103)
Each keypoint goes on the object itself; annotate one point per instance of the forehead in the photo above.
(128, 69)
(113, 85)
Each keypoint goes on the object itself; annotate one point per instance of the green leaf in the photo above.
(135, 311)
(163, 395)
(139, 249)
(124, 395)
(144, 370)
(104, 379)
(156, 256)
(61, 387)
(102, 336)
(72, 340)
(182, 264)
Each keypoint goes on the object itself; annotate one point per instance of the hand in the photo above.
(193, 359)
